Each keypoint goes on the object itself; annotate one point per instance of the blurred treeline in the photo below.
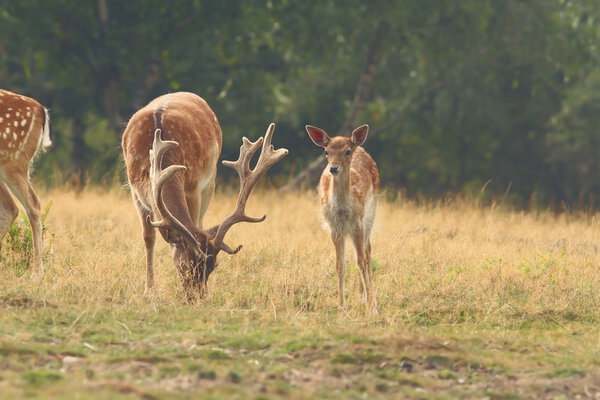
(499, 98)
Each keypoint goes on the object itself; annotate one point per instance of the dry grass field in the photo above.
(473, 303)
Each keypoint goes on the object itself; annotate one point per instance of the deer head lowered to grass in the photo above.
(171, 148)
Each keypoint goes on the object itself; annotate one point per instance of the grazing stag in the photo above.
(171, 148)
(24, 125)
(348, 193)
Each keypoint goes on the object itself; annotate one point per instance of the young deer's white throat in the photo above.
(348, 193)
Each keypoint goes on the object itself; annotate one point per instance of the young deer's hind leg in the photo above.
(368, 258)
(340, 265)
(364, 264)
(369, 273)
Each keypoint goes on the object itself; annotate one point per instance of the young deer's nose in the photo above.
(334, 169)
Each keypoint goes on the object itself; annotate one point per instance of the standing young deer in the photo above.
(24, 125)
(173, 180)
(348, 193)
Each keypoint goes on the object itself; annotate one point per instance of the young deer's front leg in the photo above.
(340, 265)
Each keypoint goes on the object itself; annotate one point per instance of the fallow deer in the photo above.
(348, 194)
(171, 147)
(24, 128)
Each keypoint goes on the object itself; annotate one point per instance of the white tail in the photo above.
(46, 139)
(348, 193)
(171, 148)
(23, 124)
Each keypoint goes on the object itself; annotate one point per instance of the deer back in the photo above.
(187, 119)
(23, 124)
(364, 176)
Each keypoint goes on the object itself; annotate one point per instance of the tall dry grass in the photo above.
(434, 264)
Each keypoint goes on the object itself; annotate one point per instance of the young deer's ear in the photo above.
(317, 135)
(359, 135)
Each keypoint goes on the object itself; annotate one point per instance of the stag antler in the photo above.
(248, 178)
(158, 178)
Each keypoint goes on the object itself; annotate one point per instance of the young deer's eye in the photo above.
(348, 152)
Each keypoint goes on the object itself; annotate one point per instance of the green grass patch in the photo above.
(501, 395)
(217, 354)
(39, 378)
(565, 373)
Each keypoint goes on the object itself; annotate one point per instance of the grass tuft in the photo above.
(39, 378)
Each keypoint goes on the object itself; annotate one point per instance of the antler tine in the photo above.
(158, 178)
(248, 178)
(267, 147)
(242, 164)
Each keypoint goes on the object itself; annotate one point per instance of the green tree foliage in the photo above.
(461, 94)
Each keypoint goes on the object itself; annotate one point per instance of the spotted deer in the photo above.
(171, 147)
(348, 194)
(24, 128)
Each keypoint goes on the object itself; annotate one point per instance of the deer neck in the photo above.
(340, 187)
